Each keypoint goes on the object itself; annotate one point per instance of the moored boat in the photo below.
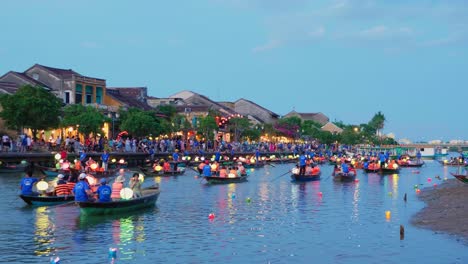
(148, 199)
(389, 171)
(38, 200)
(345, 177)
(461, 177)
(412, 165)
(153, 173)
(304, 178)
(222, 180)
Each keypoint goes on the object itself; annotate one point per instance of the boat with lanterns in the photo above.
(454, 162)
(159, 171)
(46, 195)
(231, 178)
(308, 176)
(126, 204)
(344, 177)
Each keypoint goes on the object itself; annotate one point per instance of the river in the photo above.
(268, 219)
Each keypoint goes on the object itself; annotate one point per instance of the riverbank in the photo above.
(446, 209)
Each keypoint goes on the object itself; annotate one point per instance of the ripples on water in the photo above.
(284, 222)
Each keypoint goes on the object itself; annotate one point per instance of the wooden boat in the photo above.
(453, 164)
(461, 177)
(103, 174)
(9, 168)
(153, 173)
(39, 200)
(254, 165)
(149, 198)
(388, 171)
(345, 177)
(223, 180)
(305, 178)
(52, 172)
(412, 165)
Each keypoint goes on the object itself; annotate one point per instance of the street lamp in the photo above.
(114, 116)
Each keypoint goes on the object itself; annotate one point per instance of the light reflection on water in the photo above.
(323, 221)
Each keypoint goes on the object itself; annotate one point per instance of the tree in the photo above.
(377, 122)
(88, 119)
(207, 126)
(141, 123)
(238, 126)
(289, 126)
(168, 110)
(31, 107)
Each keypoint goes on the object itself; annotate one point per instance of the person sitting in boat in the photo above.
(207, 169)
(315, 169)
(135, 185)
(166, 166)
(241, 168)
(27, 184)
(214, 167)
(104, 192)
(223, 173)
(200, 167)
(117, 186)
(82, 191)
(62, 188)
(89, 162)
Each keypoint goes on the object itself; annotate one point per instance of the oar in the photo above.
(289, 171)
(271, 165)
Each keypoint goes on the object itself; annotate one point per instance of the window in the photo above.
(187, 110)
(66, 98)
(78, 94)
(35, 76)
(89, 94)
(98, 95)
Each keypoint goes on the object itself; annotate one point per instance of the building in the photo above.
(332, 128)
(256, 113)
(127, 97)
(317, 117)
(155, 101)
(194, 99)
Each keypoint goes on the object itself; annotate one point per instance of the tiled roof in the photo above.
(332, 128)
(60, 72)
(273, 114)
(8, 87)
(127, 99)
(26, 79)
(318, 117)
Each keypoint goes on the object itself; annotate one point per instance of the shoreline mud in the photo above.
(446, 210)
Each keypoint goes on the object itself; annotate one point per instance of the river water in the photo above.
(268, 219)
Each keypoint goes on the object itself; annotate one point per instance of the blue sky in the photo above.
(345, 58)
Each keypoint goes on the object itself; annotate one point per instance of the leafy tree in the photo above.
(168, 110)
(207, 126)
(289, 126)
(31, 107)
(377, 122)
(141, 123)
(252, 134)
(88, 119)
(238, 126)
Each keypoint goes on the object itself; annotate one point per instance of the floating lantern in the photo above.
(395, 166)
(66, 165)
(197, 159)
(416, 186)
(114, 160)
(23, 162)
(320, 194)
(388, 215)
(212, 159)
(214, 167)
(184, 158)
(252, 160)
(211, 216)
(1, 162)
(263, 158)
(189, 158)
(112, 253)
(57, 166)
(141, 177)
(418, 191)
(94, 166)
(202, 158)
(60, 161)
(445, 178)
(158, 168)
(42, 185)
(295, 171)
(126, 193)
(57, 156)
(248, 200)
(356, 180)
(435, 184)
(429, 179)
(252, 169)
(121, 161)
(54, 260)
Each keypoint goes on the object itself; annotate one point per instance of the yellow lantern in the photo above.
(121, 161)
(42, 185)
(141, 177)
(126, 193)
(214, 167)
(113, 160)
(252, 160)
(197, 159)
(158, 168)
(189, 158)
(94, 166)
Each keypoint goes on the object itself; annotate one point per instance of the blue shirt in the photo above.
(105, 157)
(82, 156)
(27, 185)
(302, 160)
(345, 167)
(217, 156)
(207, 170)
(104, 193)
(175, 156)
(80, 191)
(418, 155)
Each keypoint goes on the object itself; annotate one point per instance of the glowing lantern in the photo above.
(57, 166)
(91, 180)
(94, 166)
(212, 159)
(248, 200)
(22, 162)
(141, 177)
(231, 175)
(418, 191)
(66, 165)
(189, 158)
(429, 179)
(388, 214)
(226, 158)
(72, 166)
(126, 193)
(435, 184)
(252, 160)
(113, 160)
(353, 162)
(338, 160)
(263, 158)
(60, 160)
(295, 171)
(54, 260)
(1, 163)
(214, 167)
(320, 194)
(252, 169)
(202, 158)
(356, 180)
(290, 156)
(57, 156)
(395, 166)
(158, 168)
(42, 185)
(197, 159)
(184, 158)
(211, 216)
(445, 161)
(121, 161)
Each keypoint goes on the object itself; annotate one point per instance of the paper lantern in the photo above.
(214, 167)
(252, 160)
(57, 166)
(121, 161)
(22, 162)
(42, 185)
(211, 216)
(126, 193)
(395, 166)
(184, 158)
(231, 175)
(263, 158)
(158, 168)
(197, 159)
(295, 171)
(189, 158)
(202, 158)
(91, 180)
(65, 165)
(388, 214)
(94, 166)
(57, 156)
(113, 160)
(141, 177)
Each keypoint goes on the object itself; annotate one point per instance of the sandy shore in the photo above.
(446, 209)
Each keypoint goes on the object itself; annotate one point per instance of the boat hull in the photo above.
(461, 177)
(345, 177)
(224, 180)
(305, 178)
(148, 199)
(46, 200)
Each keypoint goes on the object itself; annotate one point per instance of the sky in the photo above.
(348, 59)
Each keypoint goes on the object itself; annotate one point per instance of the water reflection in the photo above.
(44, 233)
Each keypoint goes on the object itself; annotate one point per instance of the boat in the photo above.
(39, 200)
(344, 177)
(304, 178)
(102, 173)
(453, 163)
(223, 180)
(375, 170)
(254, 165)
(412, 164)
(153, 173)
(461, 177)
(9, 168)
(389, 171)
(52, 172)
(149, 198)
